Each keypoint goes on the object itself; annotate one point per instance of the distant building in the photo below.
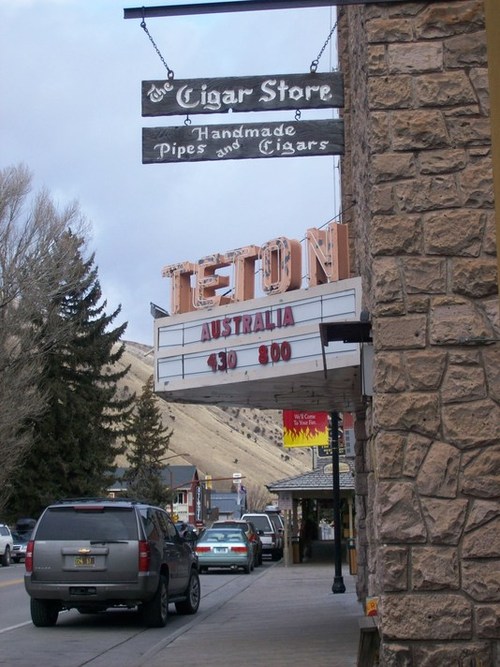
(189, 502)
(227, 505)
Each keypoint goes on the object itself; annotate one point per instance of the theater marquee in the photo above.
(262, 353)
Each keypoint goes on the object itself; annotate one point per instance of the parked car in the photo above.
(226, 548)
(187, 530)
(6, 545)
(92, 554)
(272, 537)
(249, 530)
(277, 520)
(24, 526)
(20, 544)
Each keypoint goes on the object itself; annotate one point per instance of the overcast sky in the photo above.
(70, 109)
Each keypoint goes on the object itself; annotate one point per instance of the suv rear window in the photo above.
(261, 523)
(84, 523)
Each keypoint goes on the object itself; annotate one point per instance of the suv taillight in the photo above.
(144, 556)
(28, 561)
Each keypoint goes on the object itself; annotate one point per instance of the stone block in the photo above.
(388, 372)
(396, 655)
(434, 568)
(476, 183)
(483, 542)
(479, 80)
(442, 162)
(491, 360)
(396, 234)
(488, 621)
(426, 194)
(438, 474)
(419, 129)
(463, 383)
(462, 51)
(444, 89)
(454, 654)
(380, 131)
(472, 424)
(382, 200)
(400, 332)
(490, 238)
(393, 569)
(387, 285)
(417, 447)
(444, 519)
(417, 412)
(481, 513)
(393, 166)
(453, 232)
(424, 369)
(476, 278)
(481, 579)
(390, 92)
(415, 57)
(388, 30)
(376, 64)
(425, 616)
(442, 20)
(455, 321)
(389, 449)
(398, 513)
(425, 275)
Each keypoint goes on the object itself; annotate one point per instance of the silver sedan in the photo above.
(225, 548)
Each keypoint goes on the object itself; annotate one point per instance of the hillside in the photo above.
(220, 441)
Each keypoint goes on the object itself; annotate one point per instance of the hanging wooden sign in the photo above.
(253, 93)
(195, 143)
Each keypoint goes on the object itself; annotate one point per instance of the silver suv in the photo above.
(6, 545)
(271, 535)
(92, 554)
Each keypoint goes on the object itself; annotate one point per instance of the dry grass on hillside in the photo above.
(220, 441)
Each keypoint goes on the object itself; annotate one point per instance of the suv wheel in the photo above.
(276, 554)
(44, 613)
(192, 602)
(6, 557)
(155, 612)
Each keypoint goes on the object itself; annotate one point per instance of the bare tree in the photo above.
(257, 497)
(33, 267)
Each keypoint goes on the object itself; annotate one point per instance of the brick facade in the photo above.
(418, 197)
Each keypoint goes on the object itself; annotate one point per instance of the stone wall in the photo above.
(418, 196)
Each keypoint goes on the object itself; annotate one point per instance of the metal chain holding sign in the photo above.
(315, 63)
(170, 72)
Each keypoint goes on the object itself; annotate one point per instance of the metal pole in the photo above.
(338, 585)
(190, 9)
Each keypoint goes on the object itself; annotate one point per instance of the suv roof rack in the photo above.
(98, 499)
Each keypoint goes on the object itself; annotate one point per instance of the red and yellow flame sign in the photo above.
(305, 429)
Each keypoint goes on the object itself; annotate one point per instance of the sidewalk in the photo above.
(287, 616)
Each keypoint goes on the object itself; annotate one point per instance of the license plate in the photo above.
(220, 550)
(84, 561)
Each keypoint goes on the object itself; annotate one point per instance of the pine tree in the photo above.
(148, 443)
(76, 438)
